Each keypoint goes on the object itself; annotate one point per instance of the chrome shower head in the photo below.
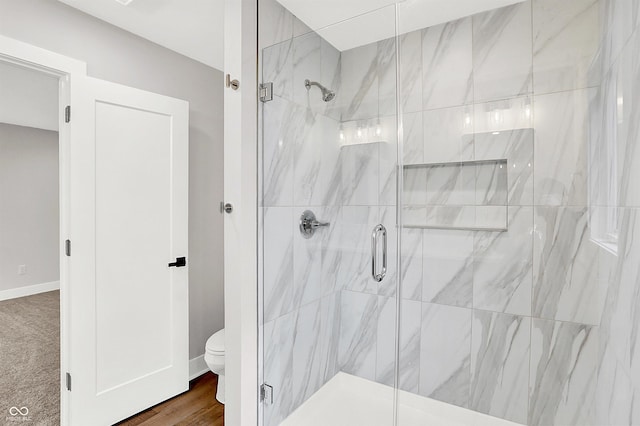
(327, 95)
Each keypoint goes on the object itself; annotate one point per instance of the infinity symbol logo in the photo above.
(15, 411)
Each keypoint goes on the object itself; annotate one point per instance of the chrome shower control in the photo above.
(309, 224)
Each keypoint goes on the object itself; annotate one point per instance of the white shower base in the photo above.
(348, 400)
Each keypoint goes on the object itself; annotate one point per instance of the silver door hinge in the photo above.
(266, 92)
(67, 114)
(266, 394)
(67, 247)
(68, 382)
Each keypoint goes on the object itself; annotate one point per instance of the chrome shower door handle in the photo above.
(379, 229)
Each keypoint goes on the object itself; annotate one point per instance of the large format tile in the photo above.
(562, 138)
(278, 368)
(615, 393)
(445, 346)
(502, 266)
(448, 134)
(410, 78)
(282, 120)
(385, 341)
(448, 267)
(620, 19)
(620, 323)
(566, 44)
(278, 262)
(276, 23)
(277, 68)
(409, 337)
(563, 374)
(500, 365)
(360, 174)
(447, 65)
(516, 146)
(332, 248)
(359, 94)
(626, 76)
(330, 334)
(318, 169)
(566, 284)
(307, 372)
(413, 141)
(358, 334)
(411, 257)
(388, 155)
(387, 77)
(502, 53)
(331, 74)
(503, 115)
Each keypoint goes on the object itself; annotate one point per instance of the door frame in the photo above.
(240, 226)
(67, 70)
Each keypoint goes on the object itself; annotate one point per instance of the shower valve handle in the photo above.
(309, 224)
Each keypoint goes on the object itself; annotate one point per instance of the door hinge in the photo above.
(67, 114)
(266, 92)
(67, 247)
(266, 394)
(68, 382)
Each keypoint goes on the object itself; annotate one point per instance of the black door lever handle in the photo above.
(180, 262)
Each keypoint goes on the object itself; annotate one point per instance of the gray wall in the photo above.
(118, 56)
(29, 207)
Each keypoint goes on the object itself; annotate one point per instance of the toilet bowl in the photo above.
(214, 357)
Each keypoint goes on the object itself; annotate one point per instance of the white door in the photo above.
(128, 220)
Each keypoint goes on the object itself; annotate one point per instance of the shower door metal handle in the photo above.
(379, 229)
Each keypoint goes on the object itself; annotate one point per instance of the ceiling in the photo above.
(334, 19)
(193, 28)
(27, 97)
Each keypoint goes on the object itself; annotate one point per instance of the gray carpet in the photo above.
(30, 358)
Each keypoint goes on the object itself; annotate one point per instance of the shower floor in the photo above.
(348, 400)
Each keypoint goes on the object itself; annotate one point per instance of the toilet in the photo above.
(214, 357)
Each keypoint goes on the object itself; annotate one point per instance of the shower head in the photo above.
(327, 95)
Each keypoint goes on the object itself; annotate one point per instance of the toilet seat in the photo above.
(215, 344)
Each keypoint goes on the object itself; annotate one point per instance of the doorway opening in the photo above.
(29, 244)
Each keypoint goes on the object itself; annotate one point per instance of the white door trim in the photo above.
(66, 69)
(241, 226)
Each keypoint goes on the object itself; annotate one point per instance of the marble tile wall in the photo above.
(538, 324)
(511, 324)
(301, 169)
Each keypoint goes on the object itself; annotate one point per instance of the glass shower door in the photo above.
(328, 157)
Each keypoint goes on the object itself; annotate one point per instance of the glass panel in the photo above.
(531, 324)
(328, 146)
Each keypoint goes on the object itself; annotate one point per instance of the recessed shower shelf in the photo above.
(456, 228)
(499, 162)
(460, 195)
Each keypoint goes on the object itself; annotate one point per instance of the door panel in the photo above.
(129, 344)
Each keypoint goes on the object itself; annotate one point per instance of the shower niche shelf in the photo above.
(462, 195)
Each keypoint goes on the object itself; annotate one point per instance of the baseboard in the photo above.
(29, 290)
(197, 367)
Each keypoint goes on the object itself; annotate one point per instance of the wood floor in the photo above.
(197, 406)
